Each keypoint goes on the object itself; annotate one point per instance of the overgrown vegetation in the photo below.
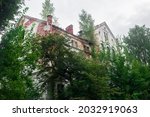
(68, 75)
(86, 24)
(48, 9)
(18, 59)
(31, 66)
(63, 74)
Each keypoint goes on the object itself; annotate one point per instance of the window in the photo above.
(106, 36)
(71, 42)
(74, 43)
(86, 48)
(99, 32)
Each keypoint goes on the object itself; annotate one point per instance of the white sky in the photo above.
(120, 15)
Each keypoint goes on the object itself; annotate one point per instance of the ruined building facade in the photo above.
(103, 33)
(78, 44)
(42, 28)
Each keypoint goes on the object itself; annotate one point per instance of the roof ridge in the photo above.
(104, 23)
(37, 19)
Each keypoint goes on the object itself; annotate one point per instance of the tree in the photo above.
(129, 77)
(86, 24)
(8, 9)
(18, 59)
(138, 43)
(48, 9)
(58, 65)
(68, 75)
(92, 84)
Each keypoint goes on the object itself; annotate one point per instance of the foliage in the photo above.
(92, 84)
(129, 77)
(110, 75)
(138, 43)
(54, 59)
(63, 74)
(48, 9)
(8, 9)
(59, 65)
(78, 77)
(18, 58)
(86, 24)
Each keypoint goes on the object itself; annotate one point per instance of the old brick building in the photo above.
(42, 28)
(78, 44)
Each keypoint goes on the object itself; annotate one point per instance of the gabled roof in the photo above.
(104, 24)
(39, 20)
(29, 17)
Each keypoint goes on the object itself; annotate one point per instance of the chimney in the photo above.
(69, 29)
(49, 19)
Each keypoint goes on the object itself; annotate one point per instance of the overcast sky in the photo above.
(120, 15)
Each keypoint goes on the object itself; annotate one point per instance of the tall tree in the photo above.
(86, 24)
(8, 9)
(138, 43)
(58, 65)
(67, 75)
(18, 59)
(129, 78)
(92, 82)
(48, 9)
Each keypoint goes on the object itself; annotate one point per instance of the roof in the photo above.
(104, 24)
(39, 20)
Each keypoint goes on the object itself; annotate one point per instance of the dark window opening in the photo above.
(86, 48)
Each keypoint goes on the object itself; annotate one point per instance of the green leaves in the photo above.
(80, 77)
(138, 42)
(129, 77)
(6, 14)
(86, 24)
(28, 63)
(17, 63)
(48, 9)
